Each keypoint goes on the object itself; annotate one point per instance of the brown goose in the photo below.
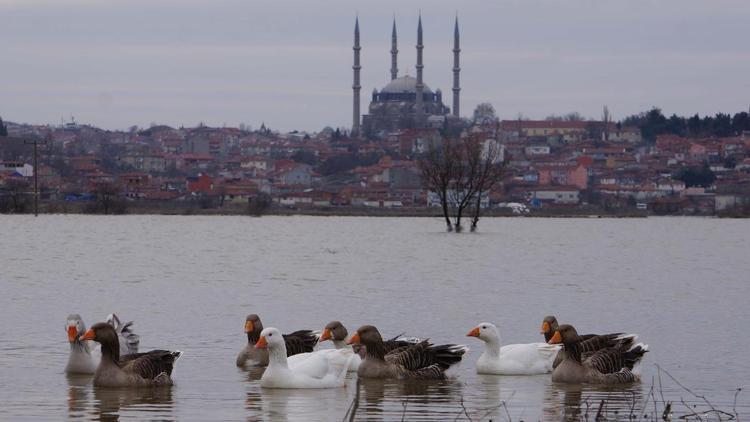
(337, 333)
(136, 370)
(421, 361)
(589, 344)
(610, 365)
(301, 341)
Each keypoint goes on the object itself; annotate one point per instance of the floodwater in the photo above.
(188, 282)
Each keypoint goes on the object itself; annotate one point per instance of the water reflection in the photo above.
(79, 389)
(581, 402)
(111, 403)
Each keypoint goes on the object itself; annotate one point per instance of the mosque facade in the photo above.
(406, 102)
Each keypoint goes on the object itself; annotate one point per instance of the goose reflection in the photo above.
(109, 403)
(79, 389)
(281, 404)
(389, 399)
(578, 402)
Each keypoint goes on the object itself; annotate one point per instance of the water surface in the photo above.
(188, 282)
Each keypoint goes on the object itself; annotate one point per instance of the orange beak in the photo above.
(326, 335)
(88, 335)
(354, 339)
(556, 339)
(474, 332)
(248, 327)
(262, 343)
(545, 328)
(72, 333)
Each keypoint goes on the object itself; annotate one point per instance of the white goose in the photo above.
(312, 372)
(513, 359)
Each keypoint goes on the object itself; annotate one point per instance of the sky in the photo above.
(287, 63)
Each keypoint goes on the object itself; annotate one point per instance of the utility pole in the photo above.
(36, 143)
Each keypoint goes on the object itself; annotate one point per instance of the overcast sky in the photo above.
(288, 63)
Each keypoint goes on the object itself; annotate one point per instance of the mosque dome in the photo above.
(404, 84)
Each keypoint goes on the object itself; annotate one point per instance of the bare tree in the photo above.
(460, 173)
(259, 204)
(438, 167)
(484, 113)
(606, 121)
(491, 169)
(106, 195)
(14, 196)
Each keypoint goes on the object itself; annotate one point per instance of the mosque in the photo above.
(405, 102)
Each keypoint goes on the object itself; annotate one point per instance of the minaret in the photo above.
(394, 52)
(456, 71)
(420, 85)
(356, 86)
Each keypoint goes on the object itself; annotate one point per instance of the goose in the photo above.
(313, 372)
(337, 333)
(610, 365)
(513, 359)
(297, 342)
(84, 356)
(589, 343)
(152, 368)
(420, 361)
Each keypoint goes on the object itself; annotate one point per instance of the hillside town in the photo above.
(554, 164)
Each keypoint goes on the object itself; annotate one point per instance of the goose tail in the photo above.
(447, 355)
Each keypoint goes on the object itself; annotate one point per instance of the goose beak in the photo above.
(326, 335)
(262, 343)
(248, 327)
(72, 333)
(474, 332)
(354, 339)
(556, 339)
(88, 335)
(545, 327)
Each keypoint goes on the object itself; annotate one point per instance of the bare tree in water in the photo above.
(14, 196)
(106, 196)
(461, 173)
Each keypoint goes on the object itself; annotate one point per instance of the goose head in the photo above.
(485, 331)
(271, 339)
(564, 334)
(104, 334)
(335, 331)
(366, 335)
(253, 324)
(549, 325)
(75, 327)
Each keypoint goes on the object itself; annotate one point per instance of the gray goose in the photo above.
(610, 365)
(152, 368)
(420, 361)
(84, 358)
(337, 333)
(301, 341)
(589, 344)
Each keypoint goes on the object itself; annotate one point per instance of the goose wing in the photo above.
(597, 342)
(150, 364)
(613, 360)
(301, 341)
(423, 355)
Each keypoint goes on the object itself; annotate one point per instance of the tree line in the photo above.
(653, 123)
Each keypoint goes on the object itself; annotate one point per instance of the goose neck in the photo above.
(277, 357)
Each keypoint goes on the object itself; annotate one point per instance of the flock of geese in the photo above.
(295, 360)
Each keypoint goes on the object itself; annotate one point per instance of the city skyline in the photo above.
(181, 63)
